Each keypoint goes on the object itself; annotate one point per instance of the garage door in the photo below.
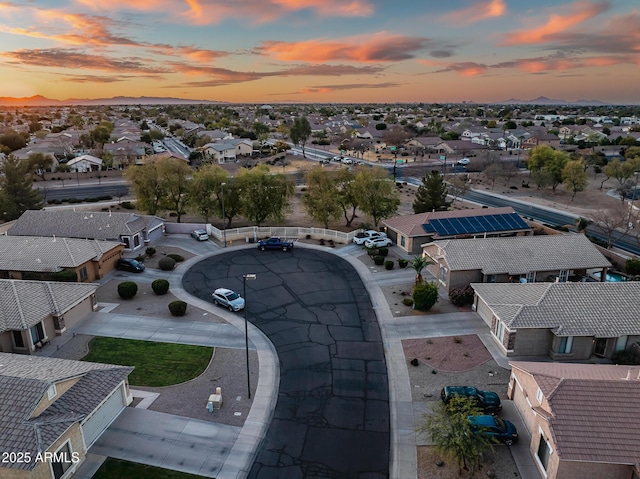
(102, 417)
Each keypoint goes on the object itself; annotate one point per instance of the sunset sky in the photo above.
(270, 51)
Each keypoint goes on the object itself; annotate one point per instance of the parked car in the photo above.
(129, 264)
(464, 161)
(227, 298)
(362, 236)
(378, 242)
(498, 430)
(347, 161)
(336, 158)
(200, 235)
(488, 401)
(275, 243)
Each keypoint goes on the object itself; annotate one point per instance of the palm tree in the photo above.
(419, 263)
(582, 224)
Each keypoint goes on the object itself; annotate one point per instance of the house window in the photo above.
(51, 392)
(563, 276)
(125, 240)
(18, 339)
(491, 278)
(539, 396)
(531, 277)
(37, 333)
(500, 331)
(83, 273)
(443, 274)
(565, 345)
(544, 451)
(621, 343)
(402, 241)
(62, 460)
(136, 241)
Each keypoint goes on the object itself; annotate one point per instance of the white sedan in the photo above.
(363, 236)
(464, 161)
(378, 243)
(228, 299)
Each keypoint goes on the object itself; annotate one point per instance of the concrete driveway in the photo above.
(332, 413)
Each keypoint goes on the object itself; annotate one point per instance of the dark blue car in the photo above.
(499, 430)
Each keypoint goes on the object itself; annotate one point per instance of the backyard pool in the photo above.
(612, 277)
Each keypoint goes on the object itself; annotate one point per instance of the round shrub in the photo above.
(379, 260)
(403, 262)
(140, 258)
(388, 264)
(176, 257)
(160, 286)
(66, 275)
(425, 295)
(150, 251)
(407, 302)
(167, 263)
(178, 308)
(461, 297)
(384, 251)
(127, 289)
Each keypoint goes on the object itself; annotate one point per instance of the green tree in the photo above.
(39, 162)
(175, 173)
(17, 194)
(431, 194)
(12, 141)
(425, 295)
(419, 263)
(264, 195)
(347, 196)
(574, 176)
(451, 433)
(149, 186)
(544, 159)
(376, 193)
(321, 198)
(582, 224)
(300, 132)
(493, 171)
(622, 171)
(206, 190)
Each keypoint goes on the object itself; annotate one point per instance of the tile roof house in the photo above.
(50, 405)
(84, 163)
(566, 321)
(228, 150)
(583, 418)
(459, 262)
(34, 311)
(36, 257)
(134, 231)
(410, 232)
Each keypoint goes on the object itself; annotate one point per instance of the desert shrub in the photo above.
(128, 205)
(383, 251)
(425, 295)
(178, 308)
(127, 289)
(461, 296)
(160, 286)
(403, 262)
(407, 302)
(167, 263)
(388, 264)
(632, 266)
(176, 257)
(150, 251)
(66, 275)
(140, 258)
(379, 260)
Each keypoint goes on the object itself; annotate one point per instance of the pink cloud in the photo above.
(478, 11)
(557, 23)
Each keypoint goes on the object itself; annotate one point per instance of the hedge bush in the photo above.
(632, 266)
(407, 302)
(150, 251)
(127, 289)
(178, 308)
(176, 257)
(140, 258)
(66, 275)
(167, 263)
(128, 205)
(403, 262)
(383, 251)
(388, 264)
(425, 295)
(461, 296)
(160, 286)
(379, 260)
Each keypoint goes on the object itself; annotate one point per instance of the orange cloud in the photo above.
(476, 12)
(381, 48)
(577, 13)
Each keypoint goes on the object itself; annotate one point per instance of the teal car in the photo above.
(498, 430)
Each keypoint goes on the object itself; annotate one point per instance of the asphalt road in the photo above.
(332, 415)
(71, 190)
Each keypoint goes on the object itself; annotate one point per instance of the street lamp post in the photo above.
(224, 226)
(246, 277)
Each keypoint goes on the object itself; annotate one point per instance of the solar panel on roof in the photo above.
(475, 224)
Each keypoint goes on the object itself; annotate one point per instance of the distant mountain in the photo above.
(39, 100)
(543, 100)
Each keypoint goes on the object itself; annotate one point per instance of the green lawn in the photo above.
(156, 364)
(117, 469)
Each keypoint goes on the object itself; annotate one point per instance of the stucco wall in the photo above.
(532, 342)
(78, 312)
